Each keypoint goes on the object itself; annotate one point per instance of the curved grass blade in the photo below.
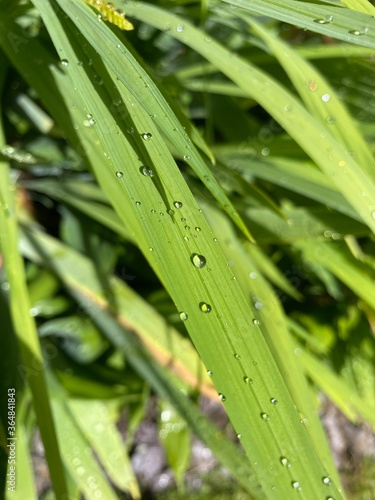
(312, 136)
(343, 24)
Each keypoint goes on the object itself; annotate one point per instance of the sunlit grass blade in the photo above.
(343, 24)
(319, 98)
(311, 135)
(125, 68)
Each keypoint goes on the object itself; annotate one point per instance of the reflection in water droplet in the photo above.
(237, 357)
(180, 28)
(256, 322)
(178, 204)
(253, 275)
(274, 401)
(326, 480)
(239, 436)
(206, 308)
(198, 229)
(147, 171)
(187, 158)
(264, 416)
(187, 228)
(198, 260)
(151, 249)
(296, 485)
(326, 97)
(325, 20)
(183, 316)
(146, 136)
(209, 373)
(65, 63)
(119, 175)
(170, 212)
(284, 462)
(222, 397)
(138, 203)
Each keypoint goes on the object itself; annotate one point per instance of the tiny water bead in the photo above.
(253, 275)
(222, 397)
(204, 307)
(65, 63)
(256, 322)
(147, 171)
(180, 28)
(326, 97)
(183, 316)
(178, 205)
(359, 32)
(325, 20)
(199, 261)
(247, 380)
(209, 373)
(120, 175)
(146, 136)
(138, 203)
(326, 480)
(296, 485)
(284, 462)
(198, 229)
(274, 401)
(264, 416)
(239, 436)
(170, 212)
(237, 357)
(187, 157)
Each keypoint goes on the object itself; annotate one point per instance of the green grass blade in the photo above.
(25, 328)
(336, 22)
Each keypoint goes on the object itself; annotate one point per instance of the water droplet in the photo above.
(180, 28)
(287, 108)
(183, 316)
(198, 229)
(187, 228)
(239, 436)
(265, 152)
(209, 373)
(120, 175)
(187, 157)
(326, 480)
(256, 322)
(237, 357)
(198, 260)
(359, 32)
(326, 97)
(146, 136)
(296, 485)
(178, 205)
(151, 249)
(65, 63)
(258, 305)
(147, 171)
(222, 397)
(153, 211)
(253, 275)
(274, 401)
(170, 212)
(264, 416)
(216, 240)
(325, 20)
(247, 380)
(284, 462)
(206, 308)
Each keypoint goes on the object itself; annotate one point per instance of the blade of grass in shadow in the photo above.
(25, 328)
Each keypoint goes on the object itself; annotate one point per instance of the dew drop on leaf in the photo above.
(198, 229)
(296, 485)
(247, 380)
(239, 436)
(264, 416)
(146, 136)
(65, 63)
(256, 322)
(183, 316)
(237, 357)
(284, 462)
(147, 171)
(138, 203)
(206, 308)
(209, 373)
(187, 157)
(178, 205)
(199, 261)
(326, 97)
(274, 401)
(120, 175)
(326, 480)
(222, 397)
(325, 20)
